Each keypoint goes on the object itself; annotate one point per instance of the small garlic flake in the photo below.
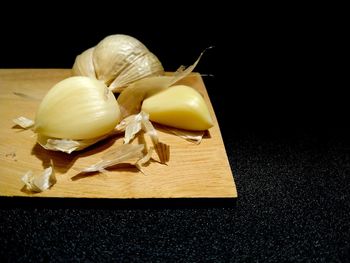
(68, 145)
(122, 154)
(24, 122)
(39, 183)
(191, 136)
(62, 145)
(132, 129)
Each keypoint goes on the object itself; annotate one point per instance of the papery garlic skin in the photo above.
(23, 122)
(179, 106)
(39, 183)
(145, 66)
(77, 108)
(84, 65)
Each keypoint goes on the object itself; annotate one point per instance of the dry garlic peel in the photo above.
(83, 65)
(191, 136)
(179, 106)
(77, 108)
(147, 65)
(124, 153)
(67, 145)
(41, 182)
(23, 122)
(133, 124)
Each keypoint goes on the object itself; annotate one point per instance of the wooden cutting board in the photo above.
(194, 171)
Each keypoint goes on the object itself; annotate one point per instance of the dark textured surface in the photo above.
(283, 114)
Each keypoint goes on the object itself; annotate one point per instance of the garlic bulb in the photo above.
(118, 60)
(77, 108)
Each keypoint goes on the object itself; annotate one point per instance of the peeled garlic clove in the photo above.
(122, 59)
(179, 106)
(77, 108)
(83, 65)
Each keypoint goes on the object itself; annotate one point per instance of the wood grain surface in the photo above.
(194, 171)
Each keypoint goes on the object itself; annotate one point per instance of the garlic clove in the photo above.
(122, 59)
(77, 108)
(83, 65)
(179, 106)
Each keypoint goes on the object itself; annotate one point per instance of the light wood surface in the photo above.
(193, 171)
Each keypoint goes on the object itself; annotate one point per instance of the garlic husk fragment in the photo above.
(191, 136)
(39, 183)
(162, 149)
(118, 60)
(67, 145)
(125, 153)
(179, 106)
(145, 159)
(62, 145)
(23, 122)
(135, 154)
(77, 108)
(132, 129)
(140, 123)
(182, 71)
(84, 65)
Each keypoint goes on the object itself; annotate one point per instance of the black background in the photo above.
(278, 91)
(270, 67)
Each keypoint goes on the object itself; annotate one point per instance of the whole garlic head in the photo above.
(118, 60)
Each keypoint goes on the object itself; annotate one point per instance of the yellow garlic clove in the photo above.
(179, 106)
(77, 108)
(121, 59)
(83, 65)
